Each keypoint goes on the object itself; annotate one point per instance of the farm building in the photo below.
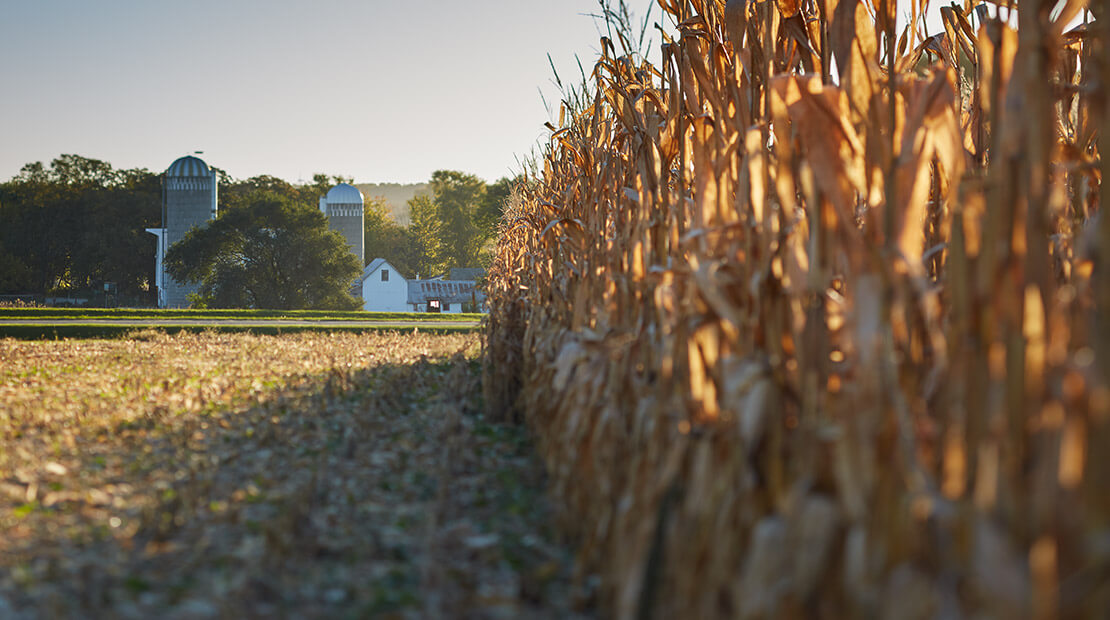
(384, 289)
(344, 207)
(188, 201)
(443, 295)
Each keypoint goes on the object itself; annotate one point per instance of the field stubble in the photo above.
(235, 475)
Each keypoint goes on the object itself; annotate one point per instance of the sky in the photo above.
(378, 90)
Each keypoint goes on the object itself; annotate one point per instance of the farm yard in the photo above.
(236, 475)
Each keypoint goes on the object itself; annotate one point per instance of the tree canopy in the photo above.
(268, 252)
(76, 224)
(457, 198)
(453, 227)
(385, 238)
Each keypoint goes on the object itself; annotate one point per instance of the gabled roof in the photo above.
(373, 266)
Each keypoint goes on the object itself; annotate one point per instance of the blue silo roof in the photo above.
(188, 166)
(344, 194)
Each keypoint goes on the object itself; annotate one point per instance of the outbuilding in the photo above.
(447, 296)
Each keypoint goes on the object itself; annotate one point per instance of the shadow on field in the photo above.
(376, 492)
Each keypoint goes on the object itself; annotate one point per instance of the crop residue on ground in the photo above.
(237, 475)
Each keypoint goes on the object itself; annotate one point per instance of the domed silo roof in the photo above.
(344, 194)
(188, 166)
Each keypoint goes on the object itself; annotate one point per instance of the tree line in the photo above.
(78, 223)
(69, 227)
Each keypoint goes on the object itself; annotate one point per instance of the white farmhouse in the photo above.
(383, 288)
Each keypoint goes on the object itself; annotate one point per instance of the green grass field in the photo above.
(76, 330)
(81, 323)
(150, 313)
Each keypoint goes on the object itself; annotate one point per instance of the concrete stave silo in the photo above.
(343, 206)
(189, 200)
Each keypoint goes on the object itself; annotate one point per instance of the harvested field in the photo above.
(808, 313)
(309, 475)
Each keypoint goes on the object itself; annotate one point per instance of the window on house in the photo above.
(385, 275)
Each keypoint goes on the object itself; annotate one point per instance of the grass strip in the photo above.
(79, 331)
(153, 313)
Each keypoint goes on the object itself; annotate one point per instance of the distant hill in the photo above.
(397, 195)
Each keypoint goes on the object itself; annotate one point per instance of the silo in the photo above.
(188, 201)
(343, 206)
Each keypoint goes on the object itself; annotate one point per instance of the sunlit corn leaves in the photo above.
(807, 309)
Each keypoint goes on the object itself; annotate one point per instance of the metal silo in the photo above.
(343, 206)
(188, 201)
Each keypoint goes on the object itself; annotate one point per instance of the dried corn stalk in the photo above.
(805, 317)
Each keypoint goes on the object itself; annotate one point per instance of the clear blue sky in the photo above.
(380, 90)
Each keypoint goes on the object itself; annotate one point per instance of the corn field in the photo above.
(809, 315)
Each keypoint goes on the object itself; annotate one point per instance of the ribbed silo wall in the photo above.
(189, 203)
(347, 220)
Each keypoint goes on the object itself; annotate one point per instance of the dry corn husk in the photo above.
(824, 345)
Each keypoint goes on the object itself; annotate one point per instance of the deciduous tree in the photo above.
(458, 198)
(427, 234)
(269, 252)
(76, 224)
(385, 238)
